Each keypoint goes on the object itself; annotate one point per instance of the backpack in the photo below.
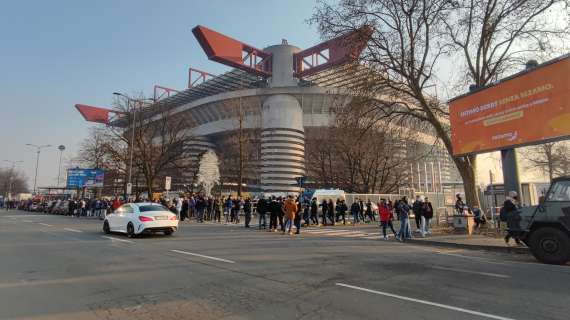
(503, 214)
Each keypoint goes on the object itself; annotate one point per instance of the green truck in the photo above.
(545, 228)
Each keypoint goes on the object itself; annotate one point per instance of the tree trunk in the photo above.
(467, 167)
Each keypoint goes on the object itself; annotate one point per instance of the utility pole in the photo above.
(61, 148)
(38, 150)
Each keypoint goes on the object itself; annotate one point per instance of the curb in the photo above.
(504, 249)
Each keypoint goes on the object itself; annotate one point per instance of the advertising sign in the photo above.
(79, 178)
(521, 110)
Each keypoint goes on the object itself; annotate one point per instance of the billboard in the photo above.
(524, 109)
(79, 178)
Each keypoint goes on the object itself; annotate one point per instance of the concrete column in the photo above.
(510, 171)
(282, 131)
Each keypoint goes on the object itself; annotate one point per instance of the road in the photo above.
(55, 267)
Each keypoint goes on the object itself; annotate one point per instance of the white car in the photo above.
(137, 218)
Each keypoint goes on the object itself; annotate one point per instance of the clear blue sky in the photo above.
(56, 53)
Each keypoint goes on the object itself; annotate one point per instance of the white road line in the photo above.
(202, 256)
(45, 224)
(117, 239)
(496, 275)
(27, 221)
(354, 235)
(374, 237)
(72, 230)
(444, 306)
(471, 258)
(317, 231)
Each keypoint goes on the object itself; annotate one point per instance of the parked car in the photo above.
(138, 218)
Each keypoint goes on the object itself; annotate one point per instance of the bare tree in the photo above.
(552, 159)
(358, 152)
(12, 181)
(412, 37)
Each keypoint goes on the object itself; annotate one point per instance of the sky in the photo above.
(54, 54)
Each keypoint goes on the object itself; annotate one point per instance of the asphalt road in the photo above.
(55, 267)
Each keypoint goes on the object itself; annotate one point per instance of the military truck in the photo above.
(545, 228)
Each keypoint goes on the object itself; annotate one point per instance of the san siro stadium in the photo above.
(273, 102)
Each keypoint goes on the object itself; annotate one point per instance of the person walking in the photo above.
(331, 211)
(314, 210)
(369, 212)
(275, 209)
(405, 231)
(178, 208)
(355, 211)
(341, 209)
(324, 210)
(510, 209)
(228, 210)
(427, 214)
(289, 210)
(297, 219)
(262, 211)
(361, 207)
(281, 213)
(386, 218)
(247, 211)
(417, 209)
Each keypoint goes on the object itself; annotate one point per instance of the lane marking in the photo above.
(202, 256)
(484, 260)
(117, 239)
(45, 224)
(27, 221)
(488, 274)
(435, 304)
(72, 230)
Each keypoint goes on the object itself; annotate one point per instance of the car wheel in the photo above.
(168, 232)
(130, 230)
(550, 245)
(106, 227)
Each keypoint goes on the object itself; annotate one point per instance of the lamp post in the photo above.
(12, 167)
(131, 142)
(61, 148)
(38, 150)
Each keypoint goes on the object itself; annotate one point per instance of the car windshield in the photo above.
(152, 207)
(560, 191)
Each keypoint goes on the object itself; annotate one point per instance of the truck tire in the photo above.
(550, 245)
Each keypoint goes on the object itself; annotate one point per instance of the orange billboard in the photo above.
(524, 109)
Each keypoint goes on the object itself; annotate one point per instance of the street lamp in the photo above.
(131, 142)
(12, 167)
(61, 148)
(38, 150)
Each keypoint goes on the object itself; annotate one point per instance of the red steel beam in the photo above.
(333, 52)
(95, 114)
(160, 92)
(202, 76)
(233, 53)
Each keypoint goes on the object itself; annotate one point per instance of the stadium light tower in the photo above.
(38, 150)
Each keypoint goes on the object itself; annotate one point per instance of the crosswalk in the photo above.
(322, 231)
(343, 233)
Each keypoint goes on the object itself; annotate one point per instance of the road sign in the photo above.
(167, 182)
(129, 188)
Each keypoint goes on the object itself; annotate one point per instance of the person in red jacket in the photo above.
(386, 217)
(116, 203)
